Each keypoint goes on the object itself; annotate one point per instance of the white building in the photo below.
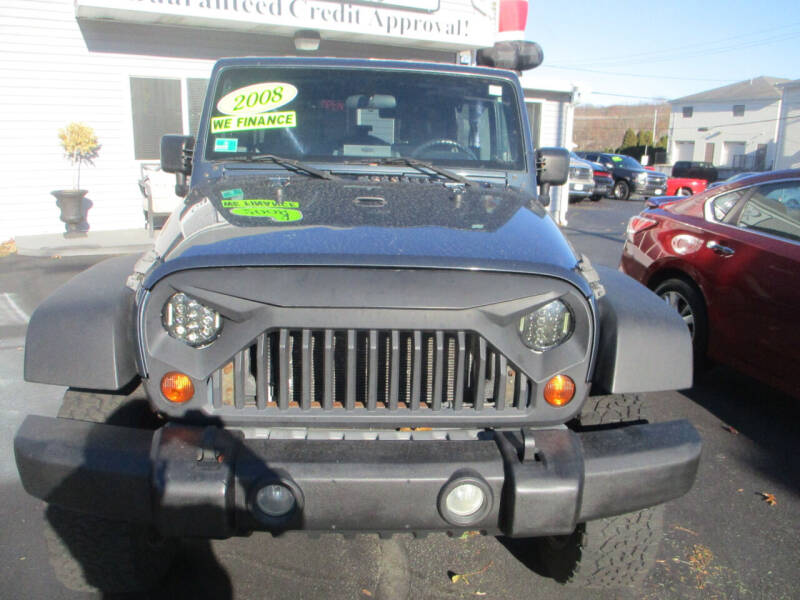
(732, 126)
(136, 69)
(788, 154)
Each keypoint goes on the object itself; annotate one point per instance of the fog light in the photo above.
(177, 387)
(275, 500)
(465, 500)
(559, 390)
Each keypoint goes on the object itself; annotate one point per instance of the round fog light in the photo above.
(465, 500)
(275, 500)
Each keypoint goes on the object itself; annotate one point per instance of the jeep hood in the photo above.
(397, 223)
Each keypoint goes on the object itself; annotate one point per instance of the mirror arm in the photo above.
(544, 194)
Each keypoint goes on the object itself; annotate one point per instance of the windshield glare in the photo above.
(352, 115)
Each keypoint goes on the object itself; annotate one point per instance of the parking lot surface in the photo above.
(722, 540)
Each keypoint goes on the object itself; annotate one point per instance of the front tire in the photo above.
(616, 551)
(622, 190)
(90, 553)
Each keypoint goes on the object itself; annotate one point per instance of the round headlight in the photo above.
(189, 321)
(547, 326)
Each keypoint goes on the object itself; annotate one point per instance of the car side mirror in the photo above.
(176, 154)
(552, 168)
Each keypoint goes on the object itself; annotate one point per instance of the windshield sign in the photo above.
(354, 115)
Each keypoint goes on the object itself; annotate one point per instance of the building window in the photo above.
(157, 108)
(738, 110)
(688, 111)
(196, 94)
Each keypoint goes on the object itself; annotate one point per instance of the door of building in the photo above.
(709, 152)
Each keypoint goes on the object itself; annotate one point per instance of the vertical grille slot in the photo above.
(374, 370)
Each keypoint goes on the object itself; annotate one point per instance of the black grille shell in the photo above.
(369, 370)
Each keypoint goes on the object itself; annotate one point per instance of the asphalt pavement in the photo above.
(722, 540)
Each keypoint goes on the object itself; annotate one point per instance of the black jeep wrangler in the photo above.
(361, 318)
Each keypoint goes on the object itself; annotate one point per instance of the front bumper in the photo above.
(581, 189)
(194, 481)
(603, 186)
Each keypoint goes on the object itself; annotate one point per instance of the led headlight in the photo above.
(547, 326)
(189, 321)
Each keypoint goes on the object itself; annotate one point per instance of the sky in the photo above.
(631, 52)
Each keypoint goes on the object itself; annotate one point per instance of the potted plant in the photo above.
(80, 146)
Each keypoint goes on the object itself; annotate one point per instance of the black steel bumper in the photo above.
(193, 481)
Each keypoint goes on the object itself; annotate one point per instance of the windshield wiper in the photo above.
(421, 165)
(288, 163)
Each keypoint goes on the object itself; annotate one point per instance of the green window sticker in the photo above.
(281, 215)
(234, 194)
(265, 208)
(616, 158)
(226, 144)
(258, 202)
(271, 120)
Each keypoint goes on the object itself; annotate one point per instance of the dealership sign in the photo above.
(438, 24)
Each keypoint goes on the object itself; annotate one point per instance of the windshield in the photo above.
(352, 115)
(626, 162)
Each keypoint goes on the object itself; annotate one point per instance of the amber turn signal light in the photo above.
(559, 390)
(177, 387)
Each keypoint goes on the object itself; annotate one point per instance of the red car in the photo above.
(728, 259)
(685, 186)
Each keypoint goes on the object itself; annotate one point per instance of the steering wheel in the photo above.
(443, 142)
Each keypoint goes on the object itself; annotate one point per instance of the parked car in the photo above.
(384, 336)
(695, 170)
(629, 176)
(656, 183)
(732, 178)
(158, 191)
(603, 181)
(728, 259)
(581, 179)
(685, 186)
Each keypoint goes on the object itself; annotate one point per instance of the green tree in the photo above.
(662, 142)
(645, 138)
(629, 139)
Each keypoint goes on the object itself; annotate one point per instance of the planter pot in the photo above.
(74, 206)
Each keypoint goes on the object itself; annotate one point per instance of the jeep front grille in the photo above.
(371, 370)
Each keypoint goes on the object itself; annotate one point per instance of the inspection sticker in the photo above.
(283, 212)
(272, 120)
(235, 194)
(495, 90)
(226, 144)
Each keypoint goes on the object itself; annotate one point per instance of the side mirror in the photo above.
(552, 168)
(176, 154)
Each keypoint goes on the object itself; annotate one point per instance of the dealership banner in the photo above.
(441, 24)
